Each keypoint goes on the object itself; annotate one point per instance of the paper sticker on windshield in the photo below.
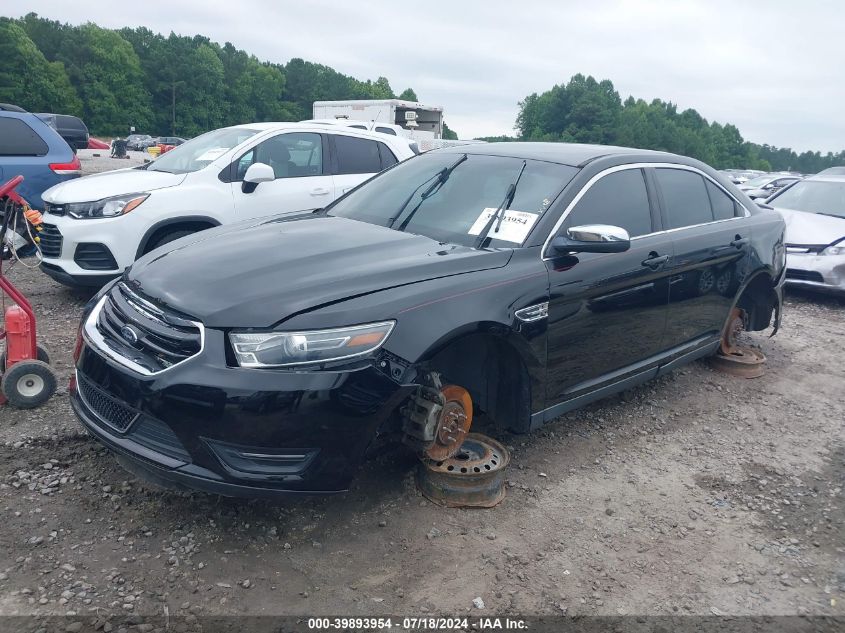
(514, 228)
(212, 154)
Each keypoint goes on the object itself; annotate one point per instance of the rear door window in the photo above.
(685, 197)
(388, 158)
(618, 199)
(724, 206)
(356, 155)
(18, 139)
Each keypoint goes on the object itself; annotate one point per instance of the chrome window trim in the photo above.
(612, 170)
(97, 343)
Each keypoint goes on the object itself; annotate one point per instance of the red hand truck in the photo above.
(28, 380)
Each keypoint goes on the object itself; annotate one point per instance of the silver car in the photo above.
(814, 210)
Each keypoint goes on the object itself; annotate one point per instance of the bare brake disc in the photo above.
(733, 358)
(437, 419)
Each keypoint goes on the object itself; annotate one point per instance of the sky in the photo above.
(773, 68)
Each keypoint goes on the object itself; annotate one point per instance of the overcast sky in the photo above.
(774, 68)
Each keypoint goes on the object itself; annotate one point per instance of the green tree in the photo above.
(107, 74)
(28, 80)
(448, 133)
(408, 95)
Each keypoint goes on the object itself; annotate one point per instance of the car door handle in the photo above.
(655, 261)
(319, 191)
(739, 242)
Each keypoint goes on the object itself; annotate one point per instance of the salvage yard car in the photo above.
(517, 280)
(814, 210)
(94, 228)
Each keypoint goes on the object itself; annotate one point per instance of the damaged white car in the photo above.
(814, 210)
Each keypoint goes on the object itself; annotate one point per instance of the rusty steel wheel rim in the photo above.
(453, 425)
(473, 478)
(744, 362)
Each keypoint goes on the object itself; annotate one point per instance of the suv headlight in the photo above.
(280, 349)
(837, 248)
(107, 207)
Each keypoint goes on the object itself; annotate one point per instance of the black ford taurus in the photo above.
(517, 280)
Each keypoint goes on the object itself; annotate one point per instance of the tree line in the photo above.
(183, 86)
(589, 111)
(161, 85)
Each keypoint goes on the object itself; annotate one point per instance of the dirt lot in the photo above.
(697, 493)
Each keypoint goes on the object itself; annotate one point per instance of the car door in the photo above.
(607, 311)
(301, 182)
(711, 242)
(356, 159)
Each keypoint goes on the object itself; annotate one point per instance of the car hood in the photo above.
(256, 275)
(111, 183)
(811, 228)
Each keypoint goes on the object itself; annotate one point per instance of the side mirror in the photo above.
(256, 174)
(593, 238)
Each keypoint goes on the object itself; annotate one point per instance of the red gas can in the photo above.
(18, 336)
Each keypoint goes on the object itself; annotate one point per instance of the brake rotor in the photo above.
(730, 336)
(453, 423)
(473, 478)
(734, 359)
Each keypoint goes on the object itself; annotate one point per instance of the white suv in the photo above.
(96, 226)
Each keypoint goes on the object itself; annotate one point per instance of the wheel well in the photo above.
(493, 373)
(758, 300)
(157, 232)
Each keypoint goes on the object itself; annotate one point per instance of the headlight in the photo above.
(835, 249)
(105, 208)
(279, 349)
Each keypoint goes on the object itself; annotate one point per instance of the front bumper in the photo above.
(88, 252)
(825, 273)
(235, 431)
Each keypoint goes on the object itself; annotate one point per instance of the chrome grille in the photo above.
(148, 336)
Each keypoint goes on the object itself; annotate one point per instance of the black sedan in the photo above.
(521, 280)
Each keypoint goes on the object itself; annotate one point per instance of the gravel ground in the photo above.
(95, 161)
(697, 493)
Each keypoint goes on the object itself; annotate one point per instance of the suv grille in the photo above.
(50, 240)
(110, 410)
(149, 336)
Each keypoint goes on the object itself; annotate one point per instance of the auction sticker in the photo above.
(515, 225)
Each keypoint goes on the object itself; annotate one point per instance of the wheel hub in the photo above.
(453, 423)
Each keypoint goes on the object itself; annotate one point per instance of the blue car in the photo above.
(33, 149)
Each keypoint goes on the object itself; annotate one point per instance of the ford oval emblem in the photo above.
(129, 335)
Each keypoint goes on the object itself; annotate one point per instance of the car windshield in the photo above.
(450, 197)
(759, 181)
(199, 152)
(814, 196)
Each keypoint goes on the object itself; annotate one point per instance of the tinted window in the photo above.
(618, 199)
(685, 197)
(411, 197)
(18, 139)
(724, 206)
(387, 157)
(356, 155)
(290, 155)
(386, 130)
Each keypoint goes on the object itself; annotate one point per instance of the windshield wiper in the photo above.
(499, 213)
(439, 178)
(832, 215)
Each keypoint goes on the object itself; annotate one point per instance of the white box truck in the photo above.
(417, 121)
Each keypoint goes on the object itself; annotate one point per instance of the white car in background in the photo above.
(96, 226)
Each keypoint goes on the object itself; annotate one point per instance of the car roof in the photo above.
(826, 178)
(573, 154)
(313, 127)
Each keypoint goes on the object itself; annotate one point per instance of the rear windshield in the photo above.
(197, 153)
(414, 197)
(814, 196)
